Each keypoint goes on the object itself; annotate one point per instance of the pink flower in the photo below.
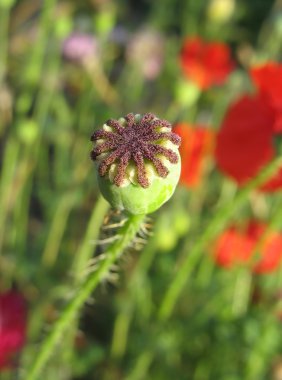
(145, 50)
(12, 326)
(79, 46)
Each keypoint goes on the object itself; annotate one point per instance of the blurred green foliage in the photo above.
(226, 324)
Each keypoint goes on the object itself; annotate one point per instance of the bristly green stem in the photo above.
(127, 233)
(216, 224)
(84, 253)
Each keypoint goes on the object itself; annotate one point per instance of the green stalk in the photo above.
(127, 232)
(135, 284)
(32, 70)
(4, 27)
(141, 367)
(81, 261)
(57, 229)
(86, 248)
(7, 181)
(217, 223)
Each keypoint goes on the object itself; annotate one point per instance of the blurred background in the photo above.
(65, 68)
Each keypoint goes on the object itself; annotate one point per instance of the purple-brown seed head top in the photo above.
(135, 149)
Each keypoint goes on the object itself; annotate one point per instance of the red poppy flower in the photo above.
(239, 246)
(12, 326)
(268, 79)
(245, 141)
(196, 145)
(206, 63)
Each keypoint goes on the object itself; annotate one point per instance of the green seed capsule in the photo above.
(138, 162)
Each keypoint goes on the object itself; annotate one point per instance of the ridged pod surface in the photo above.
(138, 162)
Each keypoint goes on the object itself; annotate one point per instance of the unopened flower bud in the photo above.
(138, 162)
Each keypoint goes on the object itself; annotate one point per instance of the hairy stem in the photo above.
(127, 232)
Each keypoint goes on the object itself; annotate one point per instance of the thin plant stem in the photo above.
(141, 367)
(14, 176)
(242, 292)
(6, 184)
(57, 229)
(216, 224)
(86, 248)
(83, 256)
(101, 83)
(35, 62)
(124, 318)
(127, 232)
(4, 26)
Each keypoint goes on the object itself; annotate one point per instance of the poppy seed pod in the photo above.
(138, 162)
